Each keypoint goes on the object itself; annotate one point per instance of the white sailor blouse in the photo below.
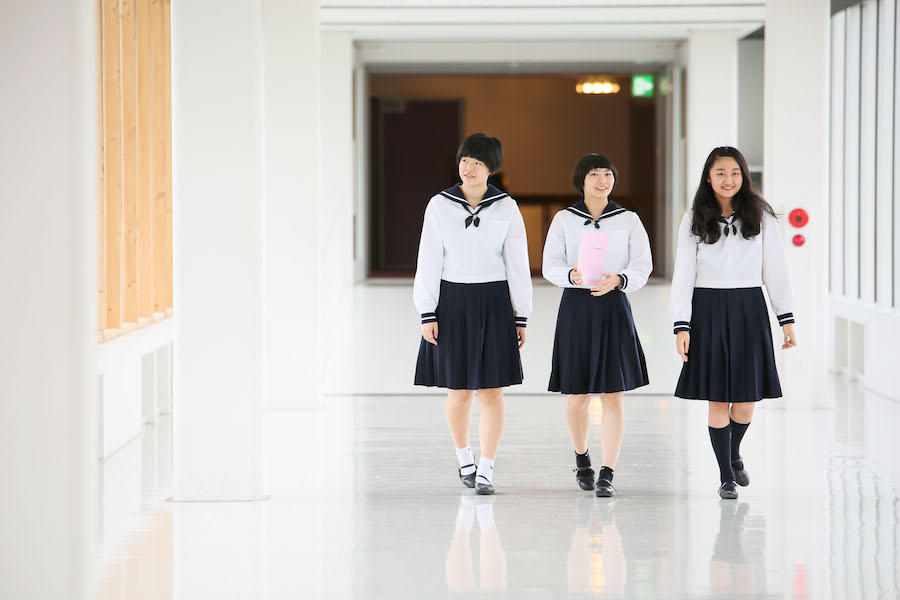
(732, 262)
(461, 244)
(627, 255)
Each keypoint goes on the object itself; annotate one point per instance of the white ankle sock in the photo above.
(486, 469)
(466, 457)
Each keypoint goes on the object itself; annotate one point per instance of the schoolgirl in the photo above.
(729, 246)
(596, 349)
(473, 291)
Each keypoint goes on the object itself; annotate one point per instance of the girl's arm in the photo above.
(429, 266)
(682, 290)
(556, 268)
(775, 272)
(518, 269)
(640, 261)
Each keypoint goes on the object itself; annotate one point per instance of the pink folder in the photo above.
(592, 256)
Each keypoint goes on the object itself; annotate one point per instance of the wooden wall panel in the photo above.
(135, 205)
(112, 158)
(144, 198)
(130, 110)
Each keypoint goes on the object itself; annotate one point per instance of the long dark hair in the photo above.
(747, 203)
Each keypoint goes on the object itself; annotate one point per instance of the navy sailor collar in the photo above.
(580, 209)
(490, 196)
(729, 223)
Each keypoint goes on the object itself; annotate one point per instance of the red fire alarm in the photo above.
(799, 240)
(798, 218)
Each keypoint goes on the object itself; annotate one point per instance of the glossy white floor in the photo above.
(365, 502)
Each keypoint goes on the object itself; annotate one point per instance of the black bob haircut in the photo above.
(482, 147)
(588, 163)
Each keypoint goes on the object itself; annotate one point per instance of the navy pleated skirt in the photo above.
(477, 343)
(596, 349)
(730, 356)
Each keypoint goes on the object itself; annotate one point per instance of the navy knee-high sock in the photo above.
(737, 434)
(721, 443)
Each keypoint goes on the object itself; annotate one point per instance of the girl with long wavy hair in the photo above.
(729, 246)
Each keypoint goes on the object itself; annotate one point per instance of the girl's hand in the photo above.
(520, 334)
(576, 276)
(607, 285)
(430, 332)
(790, 338)
(682, 343)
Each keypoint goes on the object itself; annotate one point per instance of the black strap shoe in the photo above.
(484, 489)
(728, 491)
(741, 476)
(467, 480)
(584, 474)
(604, 488)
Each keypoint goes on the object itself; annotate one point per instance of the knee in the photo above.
(579, 403)
(611, 402)
(742, 412)
(719, 409)
(489, 398)
(460, 399)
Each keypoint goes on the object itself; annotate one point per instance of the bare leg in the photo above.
(718, 414)
(612, 428)
(578, 417)
(458, 411)
(490, 426)
(742, 412)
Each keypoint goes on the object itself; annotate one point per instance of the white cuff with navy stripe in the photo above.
(785, 318)
(624, 279)
(521, 321)
(682, 326)
(429, 318)
(570, 276)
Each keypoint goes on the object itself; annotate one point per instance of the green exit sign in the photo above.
(642, 85)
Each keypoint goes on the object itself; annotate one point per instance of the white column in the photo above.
(796, 175)
(336, 204)
(48, 311)
(712, 98)
(291, 65)
(218, 176)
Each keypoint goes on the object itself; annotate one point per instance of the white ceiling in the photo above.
(525, 20)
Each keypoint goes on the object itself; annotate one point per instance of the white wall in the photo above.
(48, 311)
(291, 58)
(712, 103)
(750, 100)
(218, 149)
(864, 212)
(796, 176)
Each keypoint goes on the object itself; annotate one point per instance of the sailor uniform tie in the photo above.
(596, 223)
(730, 227)
(472, 220)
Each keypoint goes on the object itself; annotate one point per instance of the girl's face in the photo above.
(725, 177)
(598, 184)
(473, 172)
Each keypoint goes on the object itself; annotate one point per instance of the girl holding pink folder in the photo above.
(598, 252)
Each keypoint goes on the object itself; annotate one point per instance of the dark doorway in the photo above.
(412, 157)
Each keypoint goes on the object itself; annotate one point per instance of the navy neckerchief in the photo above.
(581, 209)
(490, 196)
(729, 224)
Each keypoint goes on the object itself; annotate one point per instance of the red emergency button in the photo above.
(799, 240)
(798, 218)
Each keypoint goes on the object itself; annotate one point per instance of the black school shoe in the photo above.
(728, 491)
(484, 489)
(604, 487)
(741, 476)
(467, 480)
(584, 474)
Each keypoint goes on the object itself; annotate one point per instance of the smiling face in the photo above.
(725, 177)
(473, 173)
(598, 183)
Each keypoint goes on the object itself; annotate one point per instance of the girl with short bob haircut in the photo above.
(596, 349)
(473, 291)
(729, 246)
